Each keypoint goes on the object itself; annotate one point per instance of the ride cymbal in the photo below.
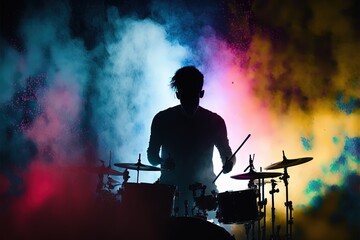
(256, 175)
(137, 166)
(288, 163)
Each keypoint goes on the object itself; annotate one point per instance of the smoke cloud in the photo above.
(81, 80)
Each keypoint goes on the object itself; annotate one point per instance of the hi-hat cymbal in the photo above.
(137, 166)
(288, 163)
(256, 175)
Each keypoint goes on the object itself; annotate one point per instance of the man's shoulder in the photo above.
(209, 114)
(167, 112)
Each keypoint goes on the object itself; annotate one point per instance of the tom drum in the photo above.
(237, 206)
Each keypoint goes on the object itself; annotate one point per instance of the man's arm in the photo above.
(222, 144)
(154, 143)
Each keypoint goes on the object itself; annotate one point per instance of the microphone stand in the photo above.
(232, 156)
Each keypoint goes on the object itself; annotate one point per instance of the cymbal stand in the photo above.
(100, 184)
(260, 195)
(138, 168)
(288, 204)
(262, 204)
(251, 185)
(290, 217)
(250, 225)
(186, 206)
(272, 192)
(247, 230)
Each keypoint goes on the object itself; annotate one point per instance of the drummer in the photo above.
(183, 137)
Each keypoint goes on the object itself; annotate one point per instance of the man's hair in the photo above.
(186, 79)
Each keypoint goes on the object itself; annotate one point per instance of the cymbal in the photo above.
(137, 166)
(288, 163)
(256, 175)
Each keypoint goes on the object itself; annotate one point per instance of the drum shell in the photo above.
(237, 206)
(148, 200)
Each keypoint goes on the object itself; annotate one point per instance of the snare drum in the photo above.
(237, 206)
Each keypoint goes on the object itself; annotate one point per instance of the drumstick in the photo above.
(233, 155)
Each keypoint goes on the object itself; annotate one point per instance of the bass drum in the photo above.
(237, 207)
(180, 228)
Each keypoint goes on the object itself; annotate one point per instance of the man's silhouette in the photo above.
(183, 138)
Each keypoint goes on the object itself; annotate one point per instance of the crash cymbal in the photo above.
(137, 166)
(288, 163)
(256, 175)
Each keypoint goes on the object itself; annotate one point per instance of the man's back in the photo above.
(189, 142)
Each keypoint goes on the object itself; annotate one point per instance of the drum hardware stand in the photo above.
(285, 163)
(278, 231)
(247, 229)
(272, 192)
(186, 206)
(137, 170)
(176, 208)
(100, 184)
(262, 204)
(176, 211)
(126, 176)
(288, 204)
(201, 209)
(251, 185)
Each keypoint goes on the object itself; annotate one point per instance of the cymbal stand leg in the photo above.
(247, 229)
(186, 207)
(272, 192)
(290, 218)
(253, 230)
(259, 204)
(263, 204)
(285, 178)
(252, 185)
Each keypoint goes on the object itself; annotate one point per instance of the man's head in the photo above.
(188, 82)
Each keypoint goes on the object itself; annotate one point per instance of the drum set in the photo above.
(247, 207)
